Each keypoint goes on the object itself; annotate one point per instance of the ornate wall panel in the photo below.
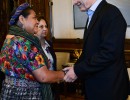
(4, 14)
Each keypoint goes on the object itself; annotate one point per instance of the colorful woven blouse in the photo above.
(19, 57)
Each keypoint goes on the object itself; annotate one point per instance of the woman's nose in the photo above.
(37, 21)
(45, 28)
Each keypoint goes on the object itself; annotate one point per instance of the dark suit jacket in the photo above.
(53, 54)
(102, 63)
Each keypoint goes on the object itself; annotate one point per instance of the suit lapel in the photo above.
(87, 30)
(93, 20)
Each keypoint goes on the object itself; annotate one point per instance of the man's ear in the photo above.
(22, 19)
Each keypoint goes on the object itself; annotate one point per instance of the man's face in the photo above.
(83, 4)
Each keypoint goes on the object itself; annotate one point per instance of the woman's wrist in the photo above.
(64, 72)
(61, 76)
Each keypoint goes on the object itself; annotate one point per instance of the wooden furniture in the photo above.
(70, 45)
(127, 52)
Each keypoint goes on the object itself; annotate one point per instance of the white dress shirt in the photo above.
(91, 10)
(48, 54)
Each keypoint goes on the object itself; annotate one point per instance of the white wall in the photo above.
(63, 21)
(128, 32)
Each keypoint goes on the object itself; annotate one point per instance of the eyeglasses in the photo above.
(41, 26)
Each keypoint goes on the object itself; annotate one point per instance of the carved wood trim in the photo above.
(69, 45)
(78, 43)
(4, 15)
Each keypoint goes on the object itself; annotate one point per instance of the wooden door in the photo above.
(4, 17)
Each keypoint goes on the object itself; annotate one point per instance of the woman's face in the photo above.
(30, 23)
(42, 29)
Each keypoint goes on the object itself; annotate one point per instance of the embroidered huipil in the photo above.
(17, 51)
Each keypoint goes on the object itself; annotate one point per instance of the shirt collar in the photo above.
(46, 44)
(94, 6)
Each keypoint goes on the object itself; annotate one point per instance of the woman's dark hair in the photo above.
(24, 13)
(42, 17)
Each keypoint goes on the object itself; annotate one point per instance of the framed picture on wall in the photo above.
(80, 18)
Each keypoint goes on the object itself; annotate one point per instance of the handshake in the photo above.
(70, 75)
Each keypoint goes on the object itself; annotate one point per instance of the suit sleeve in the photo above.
(111, 48)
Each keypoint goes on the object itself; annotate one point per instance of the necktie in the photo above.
(90, 14)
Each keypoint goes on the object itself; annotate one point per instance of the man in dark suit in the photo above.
(102, 64)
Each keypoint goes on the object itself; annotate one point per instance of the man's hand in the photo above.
(70, 75)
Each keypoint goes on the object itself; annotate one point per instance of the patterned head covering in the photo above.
(18, 12)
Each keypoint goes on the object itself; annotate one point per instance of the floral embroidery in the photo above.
(25, 48)
(39, 59)
(24, 56)
(34, 49)
(7, 65)
(8, 41)
(19, 57)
